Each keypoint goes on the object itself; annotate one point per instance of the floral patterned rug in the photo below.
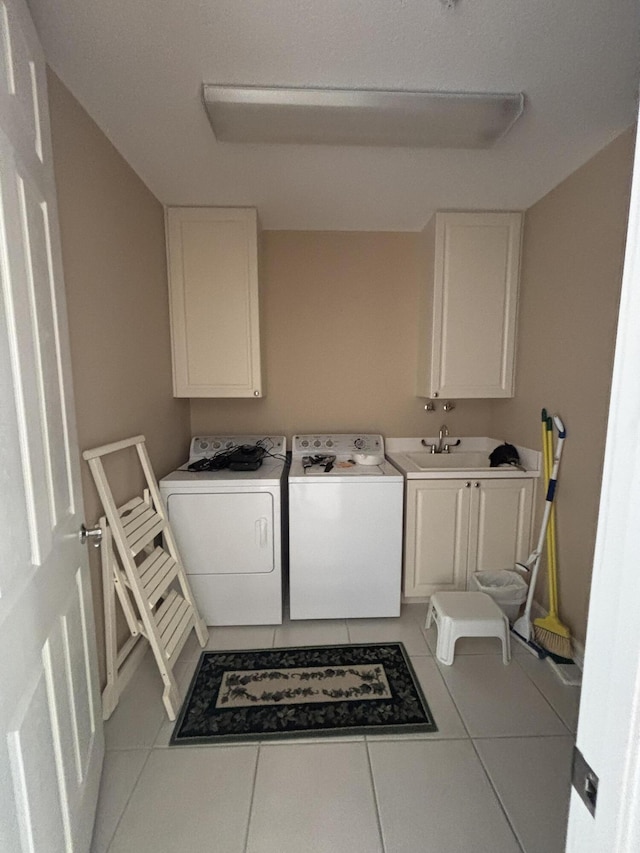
(311, 691)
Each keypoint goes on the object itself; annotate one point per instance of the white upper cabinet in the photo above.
(469, 303)
(212, 257)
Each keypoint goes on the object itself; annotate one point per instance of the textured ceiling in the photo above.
(138, 67)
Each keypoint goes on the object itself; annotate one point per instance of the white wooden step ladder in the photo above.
(148, 579)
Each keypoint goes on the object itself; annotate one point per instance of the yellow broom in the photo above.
(550, 632)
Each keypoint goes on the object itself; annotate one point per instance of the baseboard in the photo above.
(578, 652)
(406, 600)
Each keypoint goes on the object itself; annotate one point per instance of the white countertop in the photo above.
(469, 459)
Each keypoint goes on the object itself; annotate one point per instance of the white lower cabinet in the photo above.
(454, 528)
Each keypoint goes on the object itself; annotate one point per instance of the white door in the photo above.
(609, 728)
(51, 739)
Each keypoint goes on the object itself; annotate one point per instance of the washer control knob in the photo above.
(317, 443)
(359, 443)
(329, 443)
(304, 443)
(215, 444)
(203, 445)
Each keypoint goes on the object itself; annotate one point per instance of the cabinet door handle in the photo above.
(261, 532)
(477, 485)
(466, 485)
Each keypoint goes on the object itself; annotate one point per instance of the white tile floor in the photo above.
(493, 779)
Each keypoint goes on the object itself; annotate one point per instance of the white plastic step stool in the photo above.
(466, 614)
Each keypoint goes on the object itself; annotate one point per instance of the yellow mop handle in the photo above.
(551, 541)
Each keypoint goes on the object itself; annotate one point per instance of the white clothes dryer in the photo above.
(345, 528)
(228, 528)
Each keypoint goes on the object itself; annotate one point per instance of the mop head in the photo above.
(553, 636)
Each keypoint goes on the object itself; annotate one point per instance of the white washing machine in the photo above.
(228, 527)
(345, 528)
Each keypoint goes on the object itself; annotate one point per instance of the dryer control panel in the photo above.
(206, 446)
(337, 443)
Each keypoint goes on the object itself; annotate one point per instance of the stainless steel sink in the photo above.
(450, 461)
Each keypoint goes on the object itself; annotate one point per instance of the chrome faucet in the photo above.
(444, 433)
(441, 447)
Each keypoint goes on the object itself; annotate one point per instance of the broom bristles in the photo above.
(553, 642)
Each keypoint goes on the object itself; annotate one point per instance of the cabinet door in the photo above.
(500, 523)
(436, 537)
(476, 276)
(213, 290)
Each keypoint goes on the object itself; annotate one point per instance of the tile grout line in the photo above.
(522, 669)
(412, 738)
(490, 737)
(497, 796)
(253, 793)
(455, 704)
(519, 736)
(548, 701)
(126, 805)
(375, 796)
(484, 769)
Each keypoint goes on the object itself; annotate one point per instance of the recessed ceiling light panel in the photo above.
(360, 116)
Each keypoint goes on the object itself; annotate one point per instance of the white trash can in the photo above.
(507, 588)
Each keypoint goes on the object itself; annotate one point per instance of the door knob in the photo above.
(93, 534)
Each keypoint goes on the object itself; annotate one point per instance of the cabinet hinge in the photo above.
(584, 780)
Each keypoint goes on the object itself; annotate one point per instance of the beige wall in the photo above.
(339, 330)
(112, 231)
(571, 275)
